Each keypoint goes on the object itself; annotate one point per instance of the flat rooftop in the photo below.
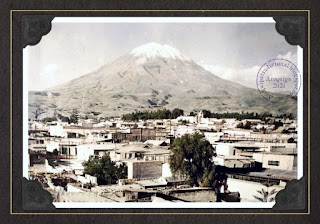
(235, 157)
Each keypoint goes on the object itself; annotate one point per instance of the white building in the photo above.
(184, 129)
(52, 145)
(224, 149)
(144, 169)
(86, 150)
(234, 161)
(212, 137)
(57, 130)
(274, 160)
(263, 146)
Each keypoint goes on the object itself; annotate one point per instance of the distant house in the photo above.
(212, 137)
(234, 162)
(224, 149)
(135, 134)
(84, 151)
(276, 160)
(185, 129)
(144, 169)
(56, 130)
(143, 152)
(37, 154)
(159, 124)
(144, 161)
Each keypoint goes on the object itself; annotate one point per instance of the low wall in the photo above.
(194, 195)
(144, 169)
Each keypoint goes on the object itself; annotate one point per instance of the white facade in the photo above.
(86, 150)
(166, 171)
(224, 149)
(276, 161)
(52, 145)
(212, 136)
(183, 129)
(56, 130)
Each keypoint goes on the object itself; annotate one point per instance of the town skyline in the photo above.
(143, 157)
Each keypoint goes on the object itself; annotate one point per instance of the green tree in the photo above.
(206, 113)
(104, 169)
(192, 159)
(159, 114)
(48, 119)
(240, 125)
(176, 113)
(74, 116)
(247, 125)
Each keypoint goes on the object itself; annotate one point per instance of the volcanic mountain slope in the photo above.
(153, 75)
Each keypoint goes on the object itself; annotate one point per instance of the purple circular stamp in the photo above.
(278, 78)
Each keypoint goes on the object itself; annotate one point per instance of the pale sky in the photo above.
(232, 51)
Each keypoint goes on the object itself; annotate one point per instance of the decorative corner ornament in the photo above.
(34, 27)
(292, 197)
(34, 197)
(292, 28)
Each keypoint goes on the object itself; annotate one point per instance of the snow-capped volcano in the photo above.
(153, 75)
(152, 50)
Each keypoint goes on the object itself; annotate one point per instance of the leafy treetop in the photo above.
(104, 169)
(192, 158)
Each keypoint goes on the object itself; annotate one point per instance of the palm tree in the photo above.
(265, 195)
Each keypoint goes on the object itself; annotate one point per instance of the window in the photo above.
(273, 163)
(64, 150)
(72, 135)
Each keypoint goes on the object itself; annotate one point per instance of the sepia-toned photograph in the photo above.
(161, 111)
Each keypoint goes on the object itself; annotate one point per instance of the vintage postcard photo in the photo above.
(163, 112)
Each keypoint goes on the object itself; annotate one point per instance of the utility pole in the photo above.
(140, 134)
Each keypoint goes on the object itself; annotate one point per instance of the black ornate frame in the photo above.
(27, 201)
